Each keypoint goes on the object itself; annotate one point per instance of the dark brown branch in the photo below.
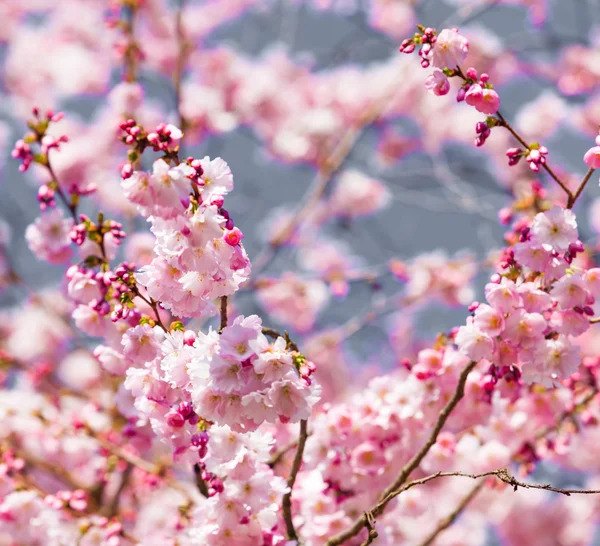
(370, 525)
(223, 320)
(286, 503)
(200, 483)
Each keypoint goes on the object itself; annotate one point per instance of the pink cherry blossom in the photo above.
(450, 49)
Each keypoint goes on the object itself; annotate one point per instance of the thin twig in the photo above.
(286, 503)
(580, 189)
(545, 166)
(72, 207)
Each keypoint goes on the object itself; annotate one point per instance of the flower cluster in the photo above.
(198, 252)
(236, 378)
(536, 309)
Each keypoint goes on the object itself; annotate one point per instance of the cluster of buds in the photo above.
(214, 485)
(22, 151)
(514, 156)
(165, 138)
(45, 196)
(176, 418)
(39, 128)
(96, 231)
(477, 91)
(494, 374)
(125, 290)
(196, 178)
(483, 132)
(507, 259)
(426, 37)
(536, 156)
(200, 442)
(136, 138)
(574, 249)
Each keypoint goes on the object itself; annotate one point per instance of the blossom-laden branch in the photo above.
(446, 51)
(390, 492)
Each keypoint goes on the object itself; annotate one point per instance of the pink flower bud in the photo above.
(233, 237)
(174, 419)
(592, 157)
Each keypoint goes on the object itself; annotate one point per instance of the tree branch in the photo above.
(580, 188)
(223, 320)
(286, 503)
(411, 465)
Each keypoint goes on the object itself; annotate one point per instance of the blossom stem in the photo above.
(152, 303)
(286, 502)
(72, 207)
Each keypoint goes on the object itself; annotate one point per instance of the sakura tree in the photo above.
(174, 388)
